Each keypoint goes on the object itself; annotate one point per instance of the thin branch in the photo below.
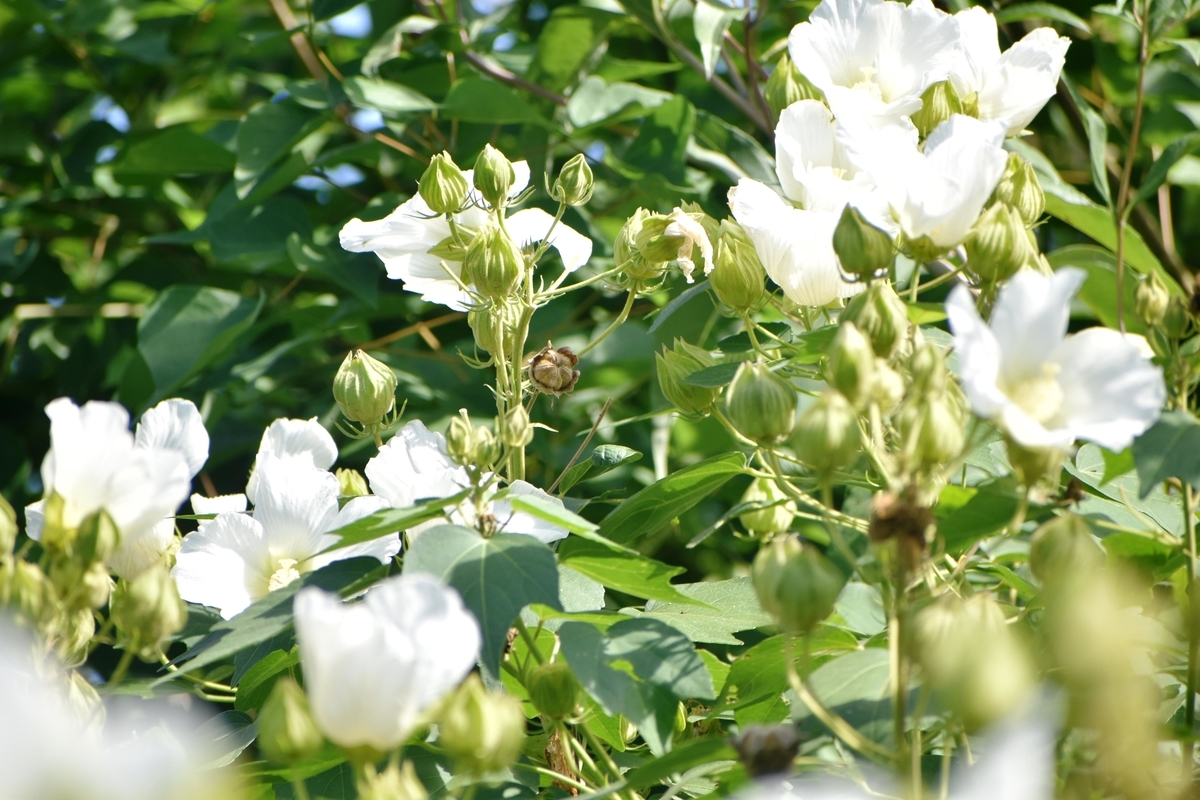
(512, 79)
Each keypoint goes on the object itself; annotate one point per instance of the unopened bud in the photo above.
(656, 241)
(365, 389)
(553, 690)
(928, 367)
(460, 438)
(8, 527)
(147, 610)
(74, 636)
(495, 327)
(938, 103)
(760, 404)
(98, 538)
(785, 85)
(862, 249)
(931, 427)
(494, 264)
(887, 387)
(575, 182)
(737, 278)
(626, 255)
(494, 176)
(287, 731)
(1034, 463)
(1151, 300)
(351, 483)
(1176, 323)
(443, 187)
(25, 592)
(795, 584)
(881, 315)
(776, 512)
(483, 730)
(767, 749)
(1020, 189)
(515, 429)
(674, 367)
(394, 783)
(827, 435)
(1063, 549)
(485, 448)
(553, 371)
(851, 365)
(998, 244)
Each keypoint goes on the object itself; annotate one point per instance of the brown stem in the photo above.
(512, 79)
(1120, 213)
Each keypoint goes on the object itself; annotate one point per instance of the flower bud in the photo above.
(767, 749)
(485, 448)
(1063, 548)
(760, 404)
(287, 731)
(931, 428)
(881, 315)
(553, 690)
(494, 264)
(82, 584)
(777, 511)
(786, 85)
(674, 366)
(553, 371)
(483, 730)
(495, 327)
(98, 538)
(795, 584)
(394, 783)
(1151, 300)
(575, 182)
(147, 610)
(1020, 189)
(443, 187)
(365, 389)
(737, 278)
(1034, 463)
(887, 387)
(460, 438)
(1175, 324)
(626, 255)
(8, 527)
(515, 429)
(851, 365)
(998, 244)
(827, 435)
(928, 367)
(655, 242)
(938, 103)
(26, 592)
(351, 483)
(494, 176)
(862, 249)
(74, 636)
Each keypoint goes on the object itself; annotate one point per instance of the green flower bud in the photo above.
(881, 315)
(553, 690)
(767, 749)
(83, 584)
(777, 513)
(74, 636)
(785, 85)
(575, 182)
(351, 483)
(1151, 300)
(653, 241)
(287, 732)
(394, 783)
(1034, 463)
(931, 428)
(486, 448)
(851, 365)
(147, 610)
(365, 389)
(1020, 189)
(443, 187)
(515, 429)
(626, 255)
(938, 103)
(1175, 324)
(827, 435)
(494, 264)
(929, 372)
(737, 278)
(998, 244)
(795, 584)
(495, 327)
(26, 592)
(460, 438)
(677, 364)
(1064, 548)
(922, 249)
(760, 404)
(98, 538)
(8, 527)
(494, 176)
(887, 388)
(483, 730)
(861, 248)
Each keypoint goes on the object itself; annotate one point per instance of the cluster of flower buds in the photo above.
(484, 731)
(931, 419)
(1001, 241)
(470, 445)
(796, 584)
(147, 610)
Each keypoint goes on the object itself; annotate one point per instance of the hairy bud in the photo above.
(998, 244)
(881, 315)
(483, 730)
(365, 389)
(938, 103)
(469, 445)
(862, 249)
(494, 264)
(675, 365)
(777, 512)
(760, 404)
(628, 257)
(287, 731)
(575, 182)
(795, 584)
(443, 187)
(495, 327)
(494, 176)
(931, 428)
(827, 435)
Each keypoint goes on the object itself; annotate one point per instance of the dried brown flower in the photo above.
(553, 371)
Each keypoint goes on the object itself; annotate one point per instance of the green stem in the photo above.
(601, 751)
(123, 665)
(1188, 744)
(298, 787)
(899, 666)
(616, 323)
(530, 642)
(947, 750)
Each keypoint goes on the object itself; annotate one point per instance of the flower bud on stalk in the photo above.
(777, 512)
(851, 365)
(862, 249)
(494, 264)
(1033, 464)
(881, 315)
(575, 182)
(1020, 189)
(147, 610)
(998, 244)
(494, 176)
(495, 327)
(887, 387)
(760, 404)
(73, 636)
(365, 389)
(938, 103)
(795, 584)
(626, 255)
(553, 371)
(351, 483)
(515, 429)
(928, 367)
(1151, 300)
(553, 690)
(1063, 548)
(469, 445)
(786, 85)
(738, 277)
(655, 242)
(443, 187)
(287, 732)
(483, 730)
(1176, 323)
(827, 435)
(26, 592)
(394, 783)
(931, 427)
(674, 366)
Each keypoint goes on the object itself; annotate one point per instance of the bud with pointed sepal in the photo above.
(483, 730)
(795, 584)
(495, 327)
(494, 176)
(628, 257)
(1064, 548)
(827, 434)
(1021, 189)
(674, 367)
(515, 428)
(494, 264)
(287, 732)
(938, 103)
(737, 278)
(351, 483)
(862, 249)
(851, 365)
(998, 244)
(785, 85)
(760, 404)
(1151, 300)
(553, 689)
(931, 429)
(575, 182)
(147, 610)
(443, 187)
(777, 511)
(394, 783)
(881, 315)
(365, 389)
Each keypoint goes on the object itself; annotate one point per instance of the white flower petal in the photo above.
(383, 548)
(978, 354)
(521, 522)
(413, 465)
(296, 504)
(225, 503)
(1030, 318)
(224, 564)
(302, 440)
(176, 424)
(141, 549)
(531, 225)
(35, 520)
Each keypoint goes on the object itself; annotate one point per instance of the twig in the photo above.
(512, 79)
(586, 441)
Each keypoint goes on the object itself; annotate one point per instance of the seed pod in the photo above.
(553, 371)
(494, 176)
(760, 404)
(365, 388)
(443, 187)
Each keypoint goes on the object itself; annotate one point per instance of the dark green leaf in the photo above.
(661, 144)
(567, 42)
(390, 520)
(691, 754)
(386, 96)
(856, 687)
(729, 606)
(1099, 290)
(1156, 176)
(713, 377)
(756, 683)
(174, 151)
(1170, 449)
(968, 515)
(256, 684)
(359, 276)
(1018, 12)
(480, 100)
(268, 132)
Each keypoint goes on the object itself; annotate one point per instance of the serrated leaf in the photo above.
(622, 569)
(729, 606)
(1170, 449)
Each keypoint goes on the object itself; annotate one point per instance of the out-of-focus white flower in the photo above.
(96, 464)
(402, 240)
(235, 559)
(304, 441)
(684, 225)
(874, 56)
(794, 245)
(219, 504)
(1044, 388)
(1011, 87)
(372, 667)
(414, 465)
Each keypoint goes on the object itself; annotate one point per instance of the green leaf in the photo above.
(567, 42)
(1127, 509)
(709, 24)
(1099, 290)
(1097, 135)
(660, 654)
(358, 276)
(729, 606)
(715, 135)
(1192, 48)
(268, 132)
(555, 515)
(604, 459)
(496, 577)
(174, 151)
(595, 102)
(1157, 174)
(1096, 222)
(976, 512)
(1019, 12)
(226, 735)
(861, 606)
(856, 687)
(388, 97)
(480, 100)
(713, 377)
(658, 504)
(324, 9)
(1144, 552)
(756, 683)
(1117, 464)
(256, 684)
(661, 145)
(1170, 449)
(621, 569)
(1024, 589)
(390, 520)
(186, 328)
(688, 755)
